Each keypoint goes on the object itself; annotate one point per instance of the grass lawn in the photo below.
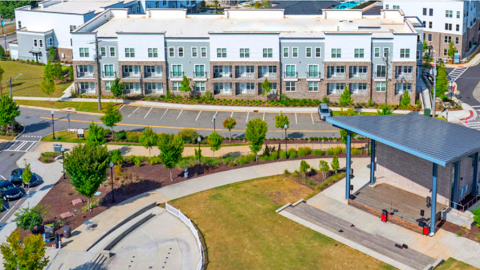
(79, 106)
(243, 231)
(63, 136)
(27, 85)
(452, 264)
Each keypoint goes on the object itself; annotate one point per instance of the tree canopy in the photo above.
(112, 116)
(256, 134)
(281, 120)
(26, 254)
(346, 98)
(229, 124)
(9, 110)
(171, 150)
(266, 88)
(335, 164)
(148, 139)
(215, 141)
(185, 85)
(117, 88)
(96, 135)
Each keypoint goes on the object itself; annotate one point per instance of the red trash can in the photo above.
(384, 215)
(426, 229)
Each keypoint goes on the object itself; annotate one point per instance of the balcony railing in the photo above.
(356, 76)
(222, 75)
(290, 75)
(153, 75)
(404, 76)
(200, 74)
(337, 76)
(245, 75)
(379, 76)
(313, 75)
(131, 75)
(109, 74)
(176, 74)
(267, 75)
(85, 74)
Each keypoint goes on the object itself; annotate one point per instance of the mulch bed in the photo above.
(472, 234)
(149, 177)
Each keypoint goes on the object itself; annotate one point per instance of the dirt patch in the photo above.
(472, 234)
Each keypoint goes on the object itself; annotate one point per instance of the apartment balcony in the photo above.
(377, 76)
(153, 75)
(177, 75)
(200, 75)
(290, 76)
(131, 75)
(404, 76)
(271, 76)
(85, 75)
(222, 75)
(245, 75)
(337, 76)
(358, 76)
(313, 76)
(109, 74)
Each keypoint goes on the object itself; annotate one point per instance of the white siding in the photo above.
(84, 41)
(348, 43)
(404, 42)
(254, 42)
(141, 43)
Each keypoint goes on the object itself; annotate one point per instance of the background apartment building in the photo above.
(232, 54)
(445, 21)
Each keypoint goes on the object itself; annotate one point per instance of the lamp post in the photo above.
(285, 127)
(434, 81)
(63, 163)
(199, 139)
(53, 124)
(214, 117)
(10, 83)
(111, 176)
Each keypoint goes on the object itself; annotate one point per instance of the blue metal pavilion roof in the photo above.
(430, 139)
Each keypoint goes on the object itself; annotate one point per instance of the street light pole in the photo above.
(99, 80)
(434, 82)
(53, 124)
(199, 139)
(286, 127)
(214, 117)
(63, 162)
(111, 176)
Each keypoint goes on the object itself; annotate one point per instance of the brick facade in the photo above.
(66, 53)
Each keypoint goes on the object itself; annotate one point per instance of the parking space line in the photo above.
(121, 107)
(31, 145)
(313, 122)
(296, 122)
(231, 115)
(179, 113)
(163, 114)
(3, 177)
(198, 116)
(148, 113)
(133, 112)
(247, 117)
(263, 116)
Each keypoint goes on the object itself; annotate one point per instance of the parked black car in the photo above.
(16, 178)
(9, 191)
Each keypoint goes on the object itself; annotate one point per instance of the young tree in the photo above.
(112, 116)
(58, 72)
(335, 164)
(266, 88)
(281, 120)
(96, 135)
(47, 86)
(117, 88)
(215, 142)
(451, 50)
(256, 134)
(405, 102)
(148, 139)
(229, 124)
(385, 110)
(86, 166)
(324, 168)
(343, 135)
(3, 55)
(28, 218)
(52, 55)
(70, 73)
(8, 111)
(26, 254)
(442, 80)
(27, 175)
(346, 98)
(1, 80)
(185, 85)
(424, 46)
(304, 166)
(171, 149)
(198, 154)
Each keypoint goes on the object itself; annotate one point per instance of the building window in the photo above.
(19, 25)
(431, 12)
(112, 51)
(457, 40)
(295, 52)
(175, 86)
(194, 52)
(404, 53)
(457, 27)
(199, 71)
(84, 52)
(335, 88)
(267, 52)
(108, 86)
(377, 52)
(313, 87)
(358, 88)
(290, 71)
(336, 53)
(449, 13)
(430, 25)
(152, 52)
(41, 43)
(313, 71)
(445, 52)
(129, 52)
(180, 51)
(458, 14)
(381, 71)
(430, 37)
(386, 52)
(290, 86)
(103, 51)
(222, 88)
(244, 53)
(424, 12)
(221, 52)
(448, 26)
(35, 43)
(200, 87)
(380, 87)
(308, 52)
(171, 52)
(49, 42)
(72, 28)
(177, 71)
(401, 88)
(245, 88)
(448, 39)
(285, 52)
(359, 53)
(318, 52)
(203, 51)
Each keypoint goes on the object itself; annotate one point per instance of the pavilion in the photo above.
(418, 154)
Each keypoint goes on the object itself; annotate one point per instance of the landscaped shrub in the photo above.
(273, 156)
(263, 158)
(116, 156)
(282, 154)
(308, 151)
(292, 153)
(301, 152)
(188, 135)
(133, 137)
(356, 151)
(318, 152)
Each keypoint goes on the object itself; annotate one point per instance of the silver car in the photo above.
(323, 111)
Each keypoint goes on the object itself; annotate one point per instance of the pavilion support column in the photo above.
(372, 162)
(456, 167)
(347, 184)
(433, 214)
(475, 175)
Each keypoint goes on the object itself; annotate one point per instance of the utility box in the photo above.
(57, 148)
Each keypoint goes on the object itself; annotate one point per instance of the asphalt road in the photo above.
(467, 83)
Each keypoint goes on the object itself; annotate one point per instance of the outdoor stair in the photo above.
(379, 244)
(98, 263)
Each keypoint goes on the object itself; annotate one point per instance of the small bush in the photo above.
(292, 153)
(318, 152)
(132, 159)
(273, 156)
(263, 158)
(133, 137)
(116, 156)
(250, 158)
(356, 151)
(154, 160)
(188, 135)
(121, 135)
(282, 154)
(301, 152)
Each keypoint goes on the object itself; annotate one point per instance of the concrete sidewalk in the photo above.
(82, 238)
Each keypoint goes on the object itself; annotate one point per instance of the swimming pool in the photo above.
(348, 5)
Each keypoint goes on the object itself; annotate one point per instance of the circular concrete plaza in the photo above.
(163, 242)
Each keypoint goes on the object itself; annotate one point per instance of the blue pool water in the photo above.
(348, 5)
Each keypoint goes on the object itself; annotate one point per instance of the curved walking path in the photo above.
(82, 238)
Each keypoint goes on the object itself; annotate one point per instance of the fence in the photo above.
(174, 211)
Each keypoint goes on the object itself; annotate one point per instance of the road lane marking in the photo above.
(121, 107)
(231, 115)
(179, 128)
(313, 122)
(133, 112)
(148, 113)
(163, 114)
(198, 116)
(248, 113)
(296, 122)
(179, 113)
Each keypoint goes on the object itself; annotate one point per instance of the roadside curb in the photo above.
(60, 110)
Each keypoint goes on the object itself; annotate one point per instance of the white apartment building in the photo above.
(445, 21)
(231, 55)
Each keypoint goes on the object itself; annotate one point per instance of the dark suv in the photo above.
(16, 178)
(9, 191)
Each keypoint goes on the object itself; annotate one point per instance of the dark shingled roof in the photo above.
(300, 7)
(376, 10)
(430, 139)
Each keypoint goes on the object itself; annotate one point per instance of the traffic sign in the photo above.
(3, 23)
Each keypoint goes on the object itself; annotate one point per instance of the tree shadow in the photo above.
(89, 265)
(296, 135)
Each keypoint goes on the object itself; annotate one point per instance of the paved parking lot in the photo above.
(301, 124)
